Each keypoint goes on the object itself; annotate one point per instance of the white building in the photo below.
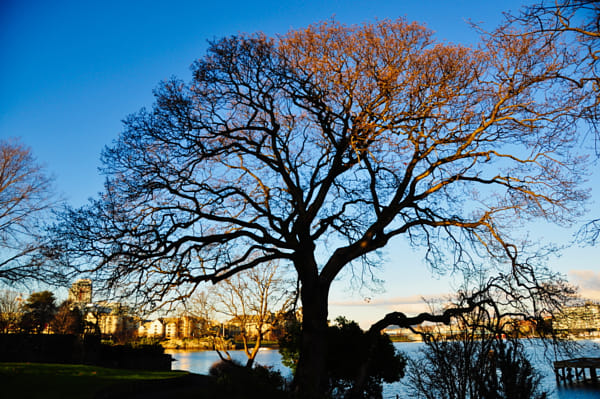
(173, 327)
(154, 328)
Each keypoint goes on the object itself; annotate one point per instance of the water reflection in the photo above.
(200, 361)
(576, 392)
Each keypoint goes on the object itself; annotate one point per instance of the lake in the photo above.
(200, 362)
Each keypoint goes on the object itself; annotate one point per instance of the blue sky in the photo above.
(70, 71)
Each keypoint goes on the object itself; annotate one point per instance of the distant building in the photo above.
(154, 328)
(403, 334)
(579, 320)
(172, 327)
(80, 293)
(111, 318)
(192, 327)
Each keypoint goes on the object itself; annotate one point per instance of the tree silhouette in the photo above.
(348, 349)
(577, 23)
(477, 358)
(39, 310)
(322, 146)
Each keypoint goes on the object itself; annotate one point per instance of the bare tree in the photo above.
(570, 19)
(200, 306)
(577, 23)
(68, 319)
(250, 300)
(10, 311)
(472, 359)
(25, 195)
(322, 146)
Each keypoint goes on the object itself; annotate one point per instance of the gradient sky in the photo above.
(70, 71)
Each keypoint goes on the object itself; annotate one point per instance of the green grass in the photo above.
(37, 380)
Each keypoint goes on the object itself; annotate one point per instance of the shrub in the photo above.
(347, 350)
(238, 381)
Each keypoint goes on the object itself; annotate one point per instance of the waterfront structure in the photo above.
(402, 334)
(568, 371)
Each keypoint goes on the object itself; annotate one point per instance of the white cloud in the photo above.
(389, 302)
(588, 282)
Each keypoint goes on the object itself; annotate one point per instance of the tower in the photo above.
(80, 293)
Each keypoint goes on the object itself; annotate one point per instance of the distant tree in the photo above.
(320, 147)
(91, 319)
(124, 334)
(39, 310)
(10, 310)
(67, 320)
(250, 300)
(199, 305)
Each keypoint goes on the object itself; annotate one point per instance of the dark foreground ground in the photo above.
(49, 381)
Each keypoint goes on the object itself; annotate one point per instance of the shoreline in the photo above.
(204, 344)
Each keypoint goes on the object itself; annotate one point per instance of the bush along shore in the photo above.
(71, 349)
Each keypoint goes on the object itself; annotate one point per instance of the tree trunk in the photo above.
(251, 353)
(311, 374)
(363, 372)
(250, 362)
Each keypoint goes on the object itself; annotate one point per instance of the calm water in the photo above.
(200, 362)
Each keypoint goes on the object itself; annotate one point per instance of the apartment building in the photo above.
(579, 320)
(172, 327)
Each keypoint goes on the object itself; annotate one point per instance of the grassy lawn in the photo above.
(36, 380)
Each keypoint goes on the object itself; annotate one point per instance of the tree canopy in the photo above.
(40, 309)
(319, 147)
